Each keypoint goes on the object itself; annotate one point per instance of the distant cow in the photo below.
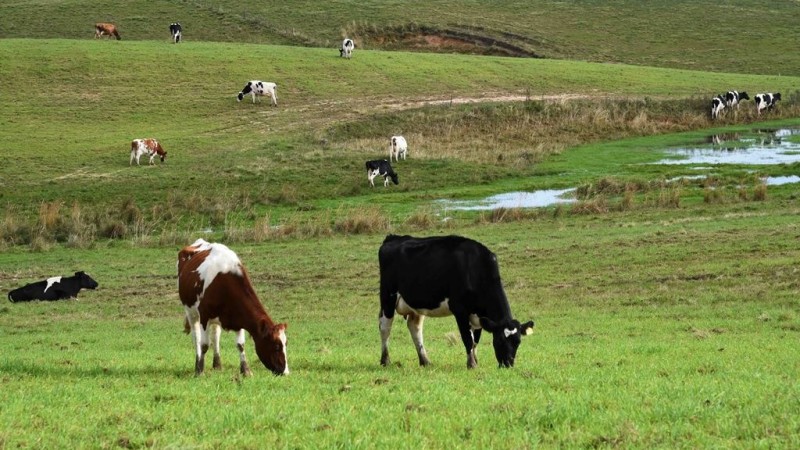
(259, 88)
(150, 147)
(107, 29)
(766, 101)
(717, 105)
(55, 288)
(346, 51)
(175, 31)
(216, 293)
(442, 276)
(397, 147)
(383, 168)
(733, 98)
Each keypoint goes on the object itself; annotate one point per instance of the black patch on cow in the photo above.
(68, 287)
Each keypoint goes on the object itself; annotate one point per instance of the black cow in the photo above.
(56, 288)
(383, 168)
(176, 31)
(440, 276)
(766, 101)
(733, 98)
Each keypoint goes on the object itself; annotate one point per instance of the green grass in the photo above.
(745, 36)
(642, 341)
(241, 161)
(666, 312)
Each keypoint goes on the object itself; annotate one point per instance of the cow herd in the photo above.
(732, 99)
(419, 277)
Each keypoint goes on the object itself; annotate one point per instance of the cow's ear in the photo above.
(263, 328)
(527, 328)
(489, 325)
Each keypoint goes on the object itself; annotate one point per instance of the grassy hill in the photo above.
(744, 36)
(666, 308)
(73, 106)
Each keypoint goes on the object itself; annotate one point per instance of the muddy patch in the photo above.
(429, 39)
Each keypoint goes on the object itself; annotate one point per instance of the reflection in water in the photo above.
(535, 199)
(762, 150)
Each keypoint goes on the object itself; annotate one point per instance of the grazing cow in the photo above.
(347, 48)
(217, 294)
(383, 168)
(151, 147)
(108, 29)
(442, 276)
(176, 31)
(766, 101)
(397, 147)
(733, 98)
(259, 88)
(717, 105)
(55, 288)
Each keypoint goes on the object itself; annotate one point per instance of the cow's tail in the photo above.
(247, 88)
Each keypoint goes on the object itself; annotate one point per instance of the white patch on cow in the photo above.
(443, 310)
(282, 337)
(220, 259)
(508, 332)
(51, 282)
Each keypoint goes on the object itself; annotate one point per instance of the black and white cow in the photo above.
(346, 51)
(766, 101)
(442, 276)
(717, 105)
(733, 98)
(259, 88)
(176, 31)
(55, 288)
(383, 168)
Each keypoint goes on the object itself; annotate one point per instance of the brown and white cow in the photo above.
(216, 292)
(107, 29)
(150, 147)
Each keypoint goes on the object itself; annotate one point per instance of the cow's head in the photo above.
(271, 347)
(507, 335)
(87, 282)
(394, 178)
(163, 156)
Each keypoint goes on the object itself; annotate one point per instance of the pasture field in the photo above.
(656, 329)
(666, 311)
(745, 36)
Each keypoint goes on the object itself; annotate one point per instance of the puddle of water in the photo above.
(769, 149)
(535, 199)
(777, 181)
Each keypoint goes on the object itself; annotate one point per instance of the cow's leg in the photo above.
(385, 180)
(274, 99)
(468, 339)
(133, 155)
(371, 174)
(199, 338)
(414, 324)
(243, 367)
(214, 333)
(385, 326)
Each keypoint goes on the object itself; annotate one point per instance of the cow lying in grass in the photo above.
(55, 288)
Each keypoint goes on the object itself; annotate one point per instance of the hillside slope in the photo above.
(744, 36)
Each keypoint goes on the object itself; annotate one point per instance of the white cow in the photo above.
(397, 147)
(259, 88)
(347, 48)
